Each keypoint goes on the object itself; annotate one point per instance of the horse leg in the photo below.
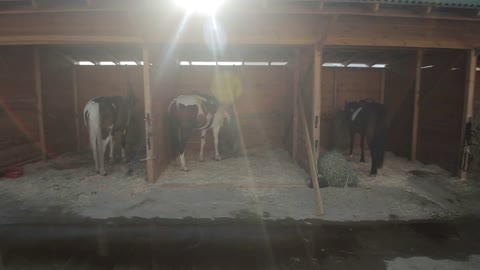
(112, 143)
(182, 142)
(123, 142)
(202, 144)
(362, 146)
(95, 149)
(374, 155)
(352, 137)
(103, 147)
(216, 130)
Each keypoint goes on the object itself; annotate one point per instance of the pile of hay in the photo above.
(336, 170)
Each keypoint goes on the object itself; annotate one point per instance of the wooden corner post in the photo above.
(37, 75)
(76, 113)
(296, 91)
(416, 98)
(467, 110)
(149, 143)
(316, 99)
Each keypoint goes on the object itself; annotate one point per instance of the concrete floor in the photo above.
(266, 185)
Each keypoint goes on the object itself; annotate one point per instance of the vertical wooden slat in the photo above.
(148, 116)
(316, 99)
(468, 102)
(418, 80)
(75, 107)
(296, 86)
(38, 91)
(382, 87)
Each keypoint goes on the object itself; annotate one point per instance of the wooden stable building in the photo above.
(315, 55)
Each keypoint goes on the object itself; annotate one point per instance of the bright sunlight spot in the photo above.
(430, 66)
(85, 63)
(333, 65)
(184, 63)
(379, 66)
(107, 63)
(229, 63)
(256, 63)
(278, 63)
(128, 63)
(357, 65)
(201, 63)
(200, 6)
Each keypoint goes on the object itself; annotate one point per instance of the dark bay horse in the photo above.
(369, 119)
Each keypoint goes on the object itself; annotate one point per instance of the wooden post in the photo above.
(38, 91)
(335, 89)
(311, 158)
(468, 106)
(148, 116)
(382, 87)
(316, 99)
(416, 98)
(296, 91)
(76, 113)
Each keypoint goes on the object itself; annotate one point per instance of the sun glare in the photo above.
(200, 6)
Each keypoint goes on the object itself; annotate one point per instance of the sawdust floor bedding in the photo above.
(70, 184)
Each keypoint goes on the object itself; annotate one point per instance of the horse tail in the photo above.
(173, 126)
(91, 115)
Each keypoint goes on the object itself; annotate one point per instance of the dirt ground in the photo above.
(265, 184)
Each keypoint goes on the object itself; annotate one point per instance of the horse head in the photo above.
(351, 107)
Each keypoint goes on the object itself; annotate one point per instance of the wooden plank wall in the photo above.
(163, 92)
(57, 89)
(399, 86)
(19, 135)
(305, 93)
(94, 81)
(477, 86)
(264, 107)
(441, 109)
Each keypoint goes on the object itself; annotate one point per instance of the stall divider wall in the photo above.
(441, 108)
(19, 125)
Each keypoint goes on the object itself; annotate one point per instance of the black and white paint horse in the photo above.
(195, 112)
(369, 119)
(104, 117)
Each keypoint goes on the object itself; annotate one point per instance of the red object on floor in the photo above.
(12, 172)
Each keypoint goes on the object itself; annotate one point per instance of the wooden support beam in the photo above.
(296, 91)
(149, 136)
(75, 107)
(312, 162)
(316, 99)
(335, 89)
(37, 76)
(467, 109)
(416, 99)
(382, 87)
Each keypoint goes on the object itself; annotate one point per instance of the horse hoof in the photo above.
(218, 158)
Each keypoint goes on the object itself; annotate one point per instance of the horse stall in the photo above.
(284, 77)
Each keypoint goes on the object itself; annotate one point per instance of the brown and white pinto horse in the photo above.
(104, 117)
(195, 112)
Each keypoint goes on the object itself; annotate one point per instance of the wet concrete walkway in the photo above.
(242, 244)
